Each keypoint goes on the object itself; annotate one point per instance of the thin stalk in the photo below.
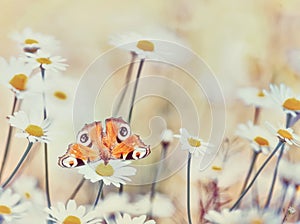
(274, 177)
(135, 89)
(256, 175)
(8, 140)
(128, 76)
(18, 165)
(74, 193)
(282, 199)
(189, 188)
(101, 183)
(292, 201)
(256, 115)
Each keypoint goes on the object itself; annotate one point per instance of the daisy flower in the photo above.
(261, 216)
(46, 61)
(260, 139)
(116, 172)
(31, 42)
(286, 135)
(288, 172)
(285, 98)
(11, 206)
(193, 144)
(225, 216)
(71, 214)
(254, 96)
(33, 131)
(15, 75)
(126, 219)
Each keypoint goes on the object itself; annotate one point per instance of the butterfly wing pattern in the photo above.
(93, 144)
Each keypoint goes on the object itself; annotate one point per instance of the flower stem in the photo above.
(135, 89)
(274, 177)
(256, 175)
(256, 115)
(18, 165)
(101, 183)
(8, 140)
(283, 195)
(128, 76)
(189, 188)
(74, 193)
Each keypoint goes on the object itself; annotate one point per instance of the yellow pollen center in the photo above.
(216, 168)
(19, 81)
(292, 104)
(46, 61)
(31, 41)
(72, 220)
(4, 210)
(60, 95)
(261, 141)
(260, 94)
(194, 142)
(104, 170)
(257, 221)
(34, 130)
(27, 195)
(145, 45)
(285, 134)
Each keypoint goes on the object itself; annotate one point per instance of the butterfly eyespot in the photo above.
(124, 132)
(69, 162)
(83, 138)
(139, 153)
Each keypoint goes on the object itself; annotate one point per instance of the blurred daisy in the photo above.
(286, 135)
(260, 139)
(285, 98)
(126, 219)
(15, 75)
(31, 42)
(33, 131)
(46, 61)
(288, 172)
(11, 206)
(193, 144)
(116, 172)
(167, 136)
(225, 216)
(261, 216)
(71, 214)
(254, 96)
(26, 186)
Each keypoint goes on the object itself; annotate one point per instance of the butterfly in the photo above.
(94, 143)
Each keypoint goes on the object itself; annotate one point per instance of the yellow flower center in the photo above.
(46, 61)
(34, 130)
(145, 45)
(27, 195)
(104, 170)
(194, 142)
(4, 210)
(261, 141)
(216, 168)
(257, 221)
(260, 94)
(72, 220)
(60, 95)
(285, 134)
(19, 81)
(31, 41)
(292, 104)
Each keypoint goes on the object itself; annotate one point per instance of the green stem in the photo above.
(283, 196)
(101, 183)
(18, 165)
(8, 140)
(256, 175)
(74, 193)
(189, 188)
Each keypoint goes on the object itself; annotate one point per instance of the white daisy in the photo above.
(193, 144)
(33, 131)
(126, 219)
(260, 139)
(285, 98)
(167, 136)
(11, 206)
(254, 96)
(46, 61)
(225, 216)
(286, 135)
(31, 42)
(261, 216)
(116, 172)
(288, 172)
(15, 74)
(26, 186)
(71, 214)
